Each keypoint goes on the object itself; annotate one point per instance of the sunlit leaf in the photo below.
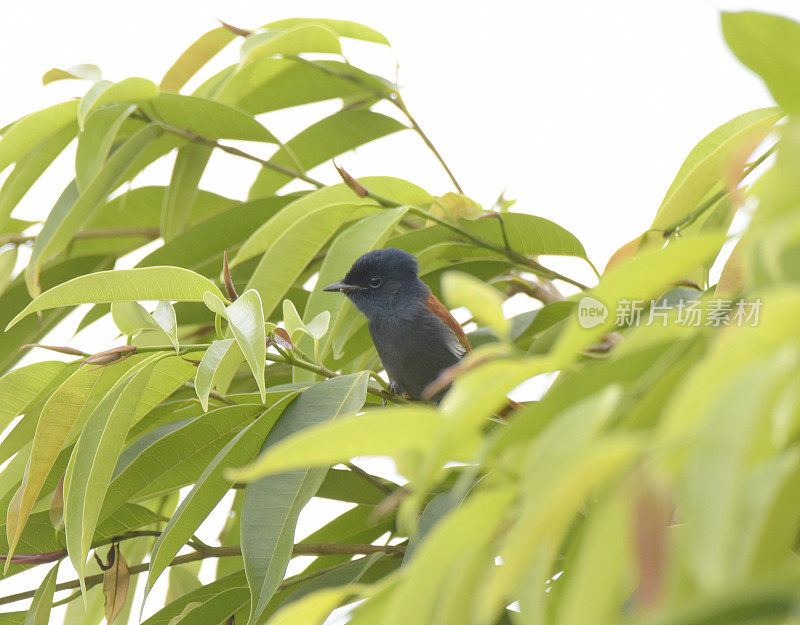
(124, 285)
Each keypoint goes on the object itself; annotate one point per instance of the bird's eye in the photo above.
(375, 282)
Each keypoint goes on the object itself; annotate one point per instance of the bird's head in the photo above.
(378, 278)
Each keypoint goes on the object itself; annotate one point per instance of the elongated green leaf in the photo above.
(642, 277)
(16, 297)
(313, 609)
(769, 45)
(177, 458)
(202, 245)
(141, 207)
(96, 452)
(485, 303)
(124, 285)
(343, 28)
(272, 504)
(65, 411)
(246, 319)
(204, 380)
(96, 140)
(185, 605)
(84, 71)
(104, 92)
(329, 137)
(210, 488)
(195, 57)
(293, 40)
(390, 433)
(709, 161)
(31, 130)
(208, 118)
(190, 163)
(67, 218)
(270, 84)
(131, 318)
(39, 612)
(29, 168)
(21, 387)
(528, 234)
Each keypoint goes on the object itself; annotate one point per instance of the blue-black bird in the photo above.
(415, 335)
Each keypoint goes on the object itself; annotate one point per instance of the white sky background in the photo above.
(583, 111)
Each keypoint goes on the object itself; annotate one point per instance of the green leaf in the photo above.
(178, 457)
(209, 489)
(710, 161)
(343, 28)
(31, 130)
(96, 140)
(273, 504)
(65, 412)
(204, 380)
(208, 118)
(16, 296)
(329, 137)
(246, 320)
(195, 57)
(390, 432)
(21, 388)
(131, 318)
(642, 277)
(124, 285)
(270, 84)
(93, 459)
(313, 609)
(202, 596)
(527, 234)
(190, 163)
(84, 71)
(202, 244)
(294, 40)
(485, 302)
(67, 218)
(29, 168)
(770, 46)
(39, 612)
(104, 92)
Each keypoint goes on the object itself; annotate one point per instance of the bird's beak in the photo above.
(341, 287)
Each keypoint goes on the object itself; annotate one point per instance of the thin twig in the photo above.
(398, 102)
(368, 477)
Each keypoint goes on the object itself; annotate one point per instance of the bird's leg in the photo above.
(394, 389)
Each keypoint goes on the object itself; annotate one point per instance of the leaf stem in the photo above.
(398, 102)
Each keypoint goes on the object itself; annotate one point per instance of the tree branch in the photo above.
(99, 233)
(191, 136)
(317, 549)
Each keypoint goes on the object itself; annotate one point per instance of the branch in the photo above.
(318, 549)
(368, 477)
(100, 233)
(511, 254)
(194, 137)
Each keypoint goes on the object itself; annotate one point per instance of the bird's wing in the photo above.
(440, 310)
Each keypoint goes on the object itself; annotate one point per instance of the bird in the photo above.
(414, 334)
